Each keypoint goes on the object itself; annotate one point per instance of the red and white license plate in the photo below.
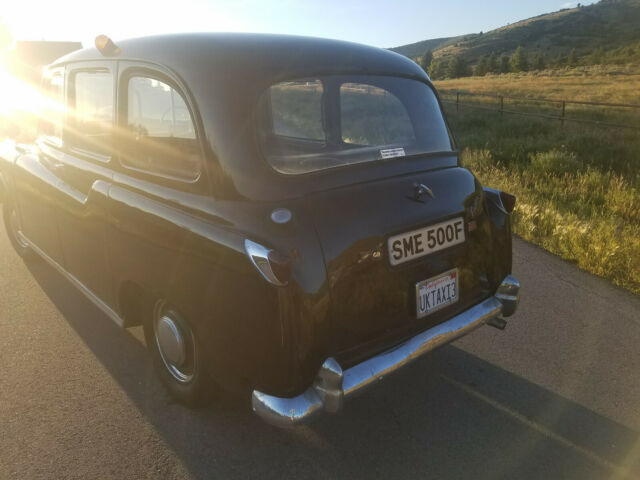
(436, 293)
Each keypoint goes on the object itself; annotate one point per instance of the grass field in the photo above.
(600, 83)
(578, 187)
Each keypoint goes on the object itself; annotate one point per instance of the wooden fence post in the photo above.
(501, 104)
(457, 100)
(563, 109)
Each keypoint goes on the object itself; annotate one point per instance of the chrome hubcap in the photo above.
(16, 229)
(176, 346)
(170, 341)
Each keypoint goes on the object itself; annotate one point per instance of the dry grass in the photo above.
(587, 217)
(601, 83)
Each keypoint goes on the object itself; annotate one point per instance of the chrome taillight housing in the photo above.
(274, 267)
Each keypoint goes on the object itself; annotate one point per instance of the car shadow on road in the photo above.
(448, 415)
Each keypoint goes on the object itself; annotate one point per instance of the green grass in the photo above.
(578, 188)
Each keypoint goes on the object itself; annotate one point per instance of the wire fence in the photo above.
(624, 115)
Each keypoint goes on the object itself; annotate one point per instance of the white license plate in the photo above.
(424, 241)
(436, 293)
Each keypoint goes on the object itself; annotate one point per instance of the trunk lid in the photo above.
(373, 297)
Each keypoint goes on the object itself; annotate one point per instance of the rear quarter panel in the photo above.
(189, 250)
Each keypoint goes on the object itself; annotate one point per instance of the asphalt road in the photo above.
(555, 395)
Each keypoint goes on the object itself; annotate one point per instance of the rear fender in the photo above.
(500, 221)
(494, 208)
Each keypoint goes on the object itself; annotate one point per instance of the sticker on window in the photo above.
(392, 152)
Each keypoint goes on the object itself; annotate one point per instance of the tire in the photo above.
(14, 229)
(179, 364)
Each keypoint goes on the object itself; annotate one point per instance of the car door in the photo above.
(159, 167)
(85, 174)
(36, 173)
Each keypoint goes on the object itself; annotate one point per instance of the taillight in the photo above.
(274, 267)
(508, 201)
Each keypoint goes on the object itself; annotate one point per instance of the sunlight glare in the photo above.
(17, 95)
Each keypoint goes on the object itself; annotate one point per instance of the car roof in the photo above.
(247, 51)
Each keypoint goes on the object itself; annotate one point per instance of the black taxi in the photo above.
(286, 216)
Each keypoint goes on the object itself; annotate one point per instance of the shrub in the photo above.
(555, 162)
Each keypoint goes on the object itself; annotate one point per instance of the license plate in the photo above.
(436, 293)
(424, 241)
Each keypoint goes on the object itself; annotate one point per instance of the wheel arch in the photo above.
(134, 302)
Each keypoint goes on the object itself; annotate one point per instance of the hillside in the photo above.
(610, 25)
(414, 50)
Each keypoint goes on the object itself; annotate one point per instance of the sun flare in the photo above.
(18, 96)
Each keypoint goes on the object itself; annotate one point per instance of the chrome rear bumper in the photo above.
(332, 384)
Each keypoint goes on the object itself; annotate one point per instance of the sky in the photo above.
(382, 23)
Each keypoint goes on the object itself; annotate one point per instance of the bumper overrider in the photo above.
(333, 384)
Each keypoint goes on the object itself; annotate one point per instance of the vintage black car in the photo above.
(286, 216)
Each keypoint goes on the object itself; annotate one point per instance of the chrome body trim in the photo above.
(106, 309)
(332, 384)
(259, 256)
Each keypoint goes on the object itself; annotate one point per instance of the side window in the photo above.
(296, 110)
(160, 132)
(50, 125)
(92, 107)
(373, 116)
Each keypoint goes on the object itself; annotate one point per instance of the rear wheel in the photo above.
(14, 230)
(177, 355)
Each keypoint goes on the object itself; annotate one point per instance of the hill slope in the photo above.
(414, 50)
(609, 24)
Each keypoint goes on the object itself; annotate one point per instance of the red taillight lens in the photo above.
(508, 201)
(280, 266)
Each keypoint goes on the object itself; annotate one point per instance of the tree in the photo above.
(560, 60)
(597, 56)
(573, 58)
(425, 60)
(482, 67)
(505, 63)
(436, 70)
(519, 62)
(456, 67)
(492, 64)
(538, 62)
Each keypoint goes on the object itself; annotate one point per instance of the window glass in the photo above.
(92, 111)
(161, 133)
(373, 116)
(157, 110)
(53, 108)
(336, 120)
(297, 109)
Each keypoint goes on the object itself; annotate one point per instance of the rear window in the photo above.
(313, 124)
